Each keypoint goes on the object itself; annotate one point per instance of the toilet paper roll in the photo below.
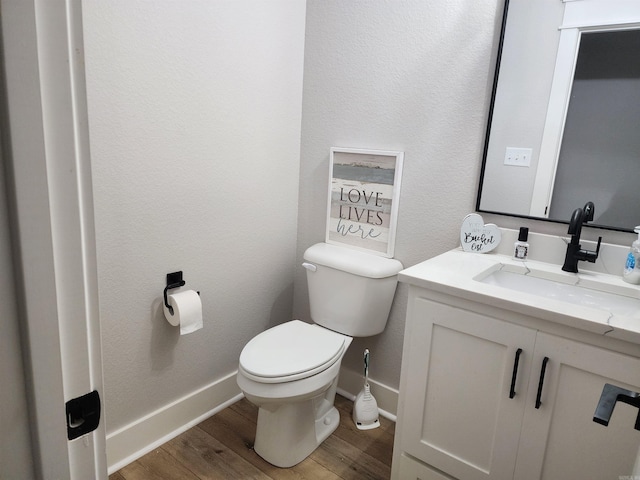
(187, 311)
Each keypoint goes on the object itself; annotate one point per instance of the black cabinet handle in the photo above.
(514, 375)
(541, 381)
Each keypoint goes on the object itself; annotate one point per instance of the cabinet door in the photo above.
(560, 439)
(458, 414)
(411, 469)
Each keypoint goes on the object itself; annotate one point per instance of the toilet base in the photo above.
(288, 433)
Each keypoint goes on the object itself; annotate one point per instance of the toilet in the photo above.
(290, 371)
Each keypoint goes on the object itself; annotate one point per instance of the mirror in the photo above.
(563, 124)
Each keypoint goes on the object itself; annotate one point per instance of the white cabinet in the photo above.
(475, 405)
(560, 439)
(458, 416)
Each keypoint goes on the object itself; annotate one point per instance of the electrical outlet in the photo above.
(519, 157)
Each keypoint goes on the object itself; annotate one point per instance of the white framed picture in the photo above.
(364, 189)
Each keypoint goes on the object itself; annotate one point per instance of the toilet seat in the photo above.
(291, 351)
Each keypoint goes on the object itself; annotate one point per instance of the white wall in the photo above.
(412, 76)
(195, 114)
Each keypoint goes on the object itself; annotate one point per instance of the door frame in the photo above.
(51, 207)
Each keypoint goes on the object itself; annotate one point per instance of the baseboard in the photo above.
(350, 383)
(140, 437)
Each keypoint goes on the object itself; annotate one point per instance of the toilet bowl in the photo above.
(290, 371)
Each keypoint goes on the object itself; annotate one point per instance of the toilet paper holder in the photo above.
(174, 280)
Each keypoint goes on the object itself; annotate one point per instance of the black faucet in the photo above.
(575, 253)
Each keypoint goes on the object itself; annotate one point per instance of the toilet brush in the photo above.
(365, 407)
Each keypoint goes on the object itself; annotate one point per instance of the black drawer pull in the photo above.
(542, 371)
(514, 375)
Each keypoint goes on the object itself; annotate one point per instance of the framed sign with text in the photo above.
(364, 188)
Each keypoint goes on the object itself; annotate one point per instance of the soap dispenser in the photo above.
(631, 272)
(521, 247)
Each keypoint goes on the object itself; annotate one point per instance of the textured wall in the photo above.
(412, 76)
(195, 114)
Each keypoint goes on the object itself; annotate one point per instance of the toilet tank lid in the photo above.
(352, 261)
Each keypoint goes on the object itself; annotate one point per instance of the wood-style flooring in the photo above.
(221, 448)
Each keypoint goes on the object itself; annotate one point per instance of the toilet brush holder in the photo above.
(365, 407)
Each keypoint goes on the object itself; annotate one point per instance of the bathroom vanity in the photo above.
(504, 365)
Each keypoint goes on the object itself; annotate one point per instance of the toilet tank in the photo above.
(350, 291)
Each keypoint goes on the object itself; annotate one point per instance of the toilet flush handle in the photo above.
(309, 266)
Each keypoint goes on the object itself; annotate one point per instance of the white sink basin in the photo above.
(573, 289)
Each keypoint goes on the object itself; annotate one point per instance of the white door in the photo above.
(53, 228)
(15, 448)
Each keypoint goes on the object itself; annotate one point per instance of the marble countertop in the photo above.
(459, 273)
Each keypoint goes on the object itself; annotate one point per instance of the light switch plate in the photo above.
(519, 157)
